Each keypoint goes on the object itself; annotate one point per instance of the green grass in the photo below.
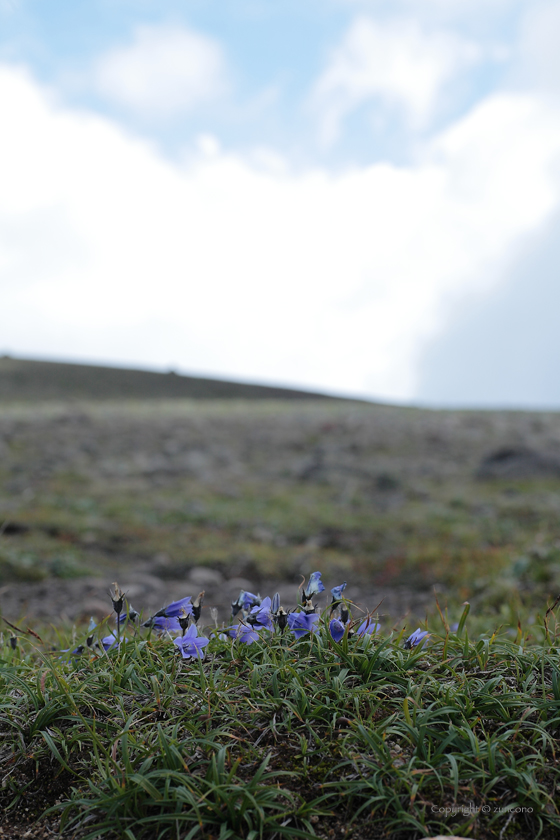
(288, 738)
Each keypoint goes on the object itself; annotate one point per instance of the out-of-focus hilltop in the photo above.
(172, 496)
(29, 380)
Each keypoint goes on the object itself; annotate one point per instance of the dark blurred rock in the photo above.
(10, 528)
(517, 462)
(386, 482)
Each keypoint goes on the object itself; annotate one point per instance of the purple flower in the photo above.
(260, 616)
(191, 644)
(337, 591)
(314, 586)
(367, 627)
(167, 618)
(415, 638)
(301, 623)
(337, 629)
(176, 608)
(76, 652)
(110, 641)
(245, 634)
(245, 601)
(131, 615)
(165, 625)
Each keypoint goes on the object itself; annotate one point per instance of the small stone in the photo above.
(142, 585)
(203, 576)
(237, 583)
(95, 607)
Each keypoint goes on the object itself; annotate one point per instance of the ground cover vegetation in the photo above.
(327, 734)
(163, 728)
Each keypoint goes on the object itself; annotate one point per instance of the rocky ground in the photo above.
(77, 600)
(170, 498)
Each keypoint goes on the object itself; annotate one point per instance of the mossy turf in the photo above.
(285, 738)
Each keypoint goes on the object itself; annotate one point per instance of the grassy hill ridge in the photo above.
(28, 380)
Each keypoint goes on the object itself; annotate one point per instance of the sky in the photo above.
(354, 196)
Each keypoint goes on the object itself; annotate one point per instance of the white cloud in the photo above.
(233, 267)
(166, 70)
(539, 53)
(394, 62)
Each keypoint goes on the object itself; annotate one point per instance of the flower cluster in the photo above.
(255, 617)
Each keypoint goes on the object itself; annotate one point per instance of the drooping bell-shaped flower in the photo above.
(337, 591)
(415, 638)
(314, 586)
(243, 633)
(246, 601)
(337, 629)
(302, 623)
(166, 619)
(368, 627)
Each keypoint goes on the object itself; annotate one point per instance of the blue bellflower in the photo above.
(176, 608)
(314, 586)
(301, 623)
(337, 629)
(245, 634)
(76, 652)
(415, 638)
(167, 618)
(191, 644)
(337, 591)
(246, 601)
(249, 600)
(368, 627)
(165, 625)
(131, 615)
(111, 641)
(260, 615)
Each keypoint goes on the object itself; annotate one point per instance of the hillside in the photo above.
(24, 379)
(180, 495)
